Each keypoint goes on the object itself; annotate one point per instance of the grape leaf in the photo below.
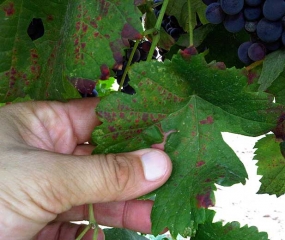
(82, 39)
(192, 102)
(221, 51)
(179, 9)
(271, 165)
(121, 234)
(230, 231)
(273, 66)
(277, 88)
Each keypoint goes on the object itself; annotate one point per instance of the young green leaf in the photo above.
(273, 66)
(271, 165)
(179, 9)
(201, 102)
(230, 231)
(121, 234)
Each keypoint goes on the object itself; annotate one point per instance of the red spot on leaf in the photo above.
(104, 7)
(77, 26)
(130, 32)
(9, 10)
(145, 117)
(83, 45)
(105, 72)
(204, 200)
(209, 120)
(84, 27)
(50, 18)
(200, 164)
(93, 24)
(112, 129)
(96, 34)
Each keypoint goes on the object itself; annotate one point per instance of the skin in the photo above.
(47, 175)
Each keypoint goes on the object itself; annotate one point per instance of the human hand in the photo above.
(45, 184)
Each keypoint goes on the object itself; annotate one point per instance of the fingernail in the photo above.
(154, 165)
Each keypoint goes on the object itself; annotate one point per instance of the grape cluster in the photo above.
(169, 23)
(264, 20)
(141, 54)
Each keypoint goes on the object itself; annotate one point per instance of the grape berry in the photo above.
(264, 20)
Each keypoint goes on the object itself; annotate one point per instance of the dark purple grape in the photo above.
(283, 38)
(126, 82)
(136, 57)
(250, 26)
(243, 53)
(269, 31)
(252, 13)
(232, 7)
(128, 90)
(274, 9)
(253, 3)
(214, 13)
(175, 33)
(234, 23)
(145, 46)
(256, 51)
(273, 46)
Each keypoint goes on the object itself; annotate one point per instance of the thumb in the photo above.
(111, 177)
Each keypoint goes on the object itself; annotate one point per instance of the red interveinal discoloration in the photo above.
(200, 164)
(130, 32)
(204, 200)
(105, 72)
(209, 120)
(104, 7)
(9, 9)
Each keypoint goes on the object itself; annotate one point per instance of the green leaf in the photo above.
(230, 231)
(200, 103)
(222, 51)
(271, 165)
(179, 9)
(121, 234)
(104, 87)
(273, 66)
(82, 39)
(277, 88)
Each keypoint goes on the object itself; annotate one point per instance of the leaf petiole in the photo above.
(156, 31)
(191, 29)
(128, 64)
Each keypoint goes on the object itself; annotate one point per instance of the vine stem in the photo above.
(253, 65)
(83, 232)
(128, 65)
(92, 222)
(191, 30)
(156, 32)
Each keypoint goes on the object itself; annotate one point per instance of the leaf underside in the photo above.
(201, 102)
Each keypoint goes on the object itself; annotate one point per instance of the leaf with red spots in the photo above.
(188, 102)
(271, 165)
(229, 231)
(82, 40)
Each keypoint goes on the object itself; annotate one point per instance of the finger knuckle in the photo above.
(121, 169)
